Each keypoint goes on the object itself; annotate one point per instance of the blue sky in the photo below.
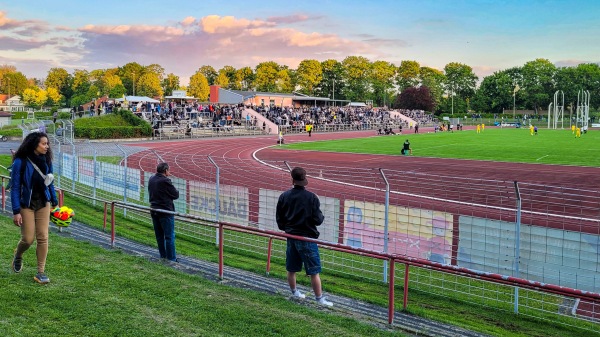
(184, 35)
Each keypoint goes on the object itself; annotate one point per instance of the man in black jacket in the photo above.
(162, 193)
(299, 213)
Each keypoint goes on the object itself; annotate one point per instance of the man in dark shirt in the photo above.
(162, 193)
(299, 213)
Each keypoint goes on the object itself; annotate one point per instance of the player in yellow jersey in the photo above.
(577, 133)
(478, 128)
(573, 129)
(531, 129)
(482, 127)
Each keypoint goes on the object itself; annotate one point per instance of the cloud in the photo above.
(9, 43)
(188, 21)
(288, 19)
(214, 24)
(149, 33)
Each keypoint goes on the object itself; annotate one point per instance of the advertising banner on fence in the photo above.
(112, 178)
(549, 255)
(329, 206)
(412, 232)
(69, 168)
(233, 202)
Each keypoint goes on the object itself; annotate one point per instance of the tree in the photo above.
(309, 74)
(199, 87)
(157, 70)
(149, 85)
(461, 83)
(434, 80)
(382, 78)
(538, 83)
(61, 80)
(129, 74)
(415, 99)
(230, 73)
(209, 73)
(267, 74)
(408, 75)
(356, 73)
(34, 97)
(81, 82)
(222, 80)
(170, 83)
(495, 93)
(284, 81)
(54, 97)
(332, 84)
(244, 77)
(14, 83)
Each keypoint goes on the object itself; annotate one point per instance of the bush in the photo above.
(121, 124)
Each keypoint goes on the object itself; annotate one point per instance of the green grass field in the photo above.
(508, 145)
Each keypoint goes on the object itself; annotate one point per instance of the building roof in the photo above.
(138, 99)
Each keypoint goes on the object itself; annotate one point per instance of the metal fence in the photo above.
(546, 234)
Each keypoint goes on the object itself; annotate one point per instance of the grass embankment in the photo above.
(98, 292)
(508, 145)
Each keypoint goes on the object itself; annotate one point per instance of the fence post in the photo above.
(217, 199)
(59, 166)
(74, 166)
(112, 224)
(517, 244)
(269, 251)
(386, 224)
(392, 296)
(3, 196)
(94, 163)
(124, 180)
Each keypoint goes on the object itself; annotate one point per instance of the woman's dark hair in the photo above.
(30, 143)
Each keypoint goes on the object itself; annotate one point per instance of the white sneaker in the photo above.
(324, 301)
(298, 294)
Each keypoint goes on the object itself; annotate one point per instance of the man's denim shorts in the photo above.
(299, 252)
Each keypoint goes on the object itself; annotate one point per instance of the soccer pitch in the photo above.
(507, 145)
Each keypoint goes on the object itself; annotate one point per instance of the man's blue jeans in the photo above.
(164, 229)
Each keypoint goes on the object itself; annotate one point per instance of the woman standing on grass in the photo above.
(32, 193)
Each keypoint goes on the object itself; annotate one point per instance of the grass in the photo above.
(98, 292)
(508, 145)
(483, 316)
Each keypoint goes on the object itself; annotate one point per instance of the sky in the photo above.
(182, 35)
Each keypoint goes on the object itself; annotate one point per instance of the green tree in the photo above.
(14, 83)
(199, 87)
(244, 77)
(129, 74)
(81, 82)
(538, 83)
(332, 84)
(461, 84)
(267, 74)
(382, 79)
(61, 80)
(310, 74)
(434, 80)
(230, 73)
(495, 93)
(170, 83)
(209, 73)
(356, 73)
(408, 75)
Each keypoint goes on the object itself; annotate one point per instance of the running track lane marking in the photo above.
(542, 157)
(423, 196)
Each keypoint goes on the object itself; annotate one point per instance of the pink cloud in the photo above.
(214, 24)
(188, 21)
(153, 33)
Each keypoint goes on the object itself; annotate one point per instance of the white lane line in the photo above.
(542, 157)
